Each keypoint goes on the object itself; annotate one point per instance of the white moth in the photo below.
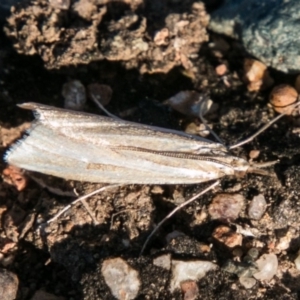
(81, 146)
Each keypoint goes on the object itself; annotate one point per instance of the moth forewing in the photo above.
(98, 130)
(87, 147)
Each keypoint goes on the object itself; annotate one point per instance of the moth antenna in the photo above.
(258, 171)
(266, 126)
(255, 168)
(265, 164)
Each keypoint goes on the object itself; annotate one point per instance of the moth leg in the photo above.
(98, 103)
(80, 199)
(177, 208)
(88, 209)
(203, 101)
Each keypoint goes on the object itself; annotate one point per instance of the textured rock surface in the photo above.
(191, 270)
(267, 264)
(9, 283)
(121, 278)
(152, 37)
(268, 29)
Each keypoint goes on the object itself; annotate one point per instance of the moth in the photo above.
(86, 147)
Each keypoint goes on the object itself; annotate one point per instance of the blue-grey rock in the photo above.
(268, 29)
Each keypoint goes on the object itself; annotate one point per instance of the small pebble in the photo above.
(122, 279)
(241, 269)
(253, 253)
(60, 4)
(247, 282)
(297, 84)
(257, 207)
(237, 252)
(246, 230)
(227, 236)
(9, 283)
(163, 261)
(189, 270)
(267, 265)
(126, 243)
(284, 242)
(256, 75)
(254, 154)
(102, 92)
(189, 289)
(297, 261)
(282, 97)
(221, 69)
(74, 95)
(226, 206)
(190, 102)
(16, 177)
(201, 130)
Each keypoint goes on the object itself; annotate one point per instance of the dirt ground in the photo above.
(64, 258)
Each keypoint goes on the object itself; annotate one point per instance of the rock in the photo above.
(122, 280)
(9, 283)
(163, 261)
(102, 92)
(247, 282)
(297, 261)
(253, 253)
(257, 207)
(74, 94)
(189, 270)
(16, 176)
(282, 98)
(198, 129)
(284, 242)
(152, 38)
(261, 25)
(226, 206)
(256, 75)
(60, 4)
(189, 289)
(253, 154)
(267, 265)
(190, 103)
(221, 70)
(227, 236)
(241, 269)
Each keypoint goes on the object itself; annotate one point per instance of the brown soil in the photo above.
(65, 257)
